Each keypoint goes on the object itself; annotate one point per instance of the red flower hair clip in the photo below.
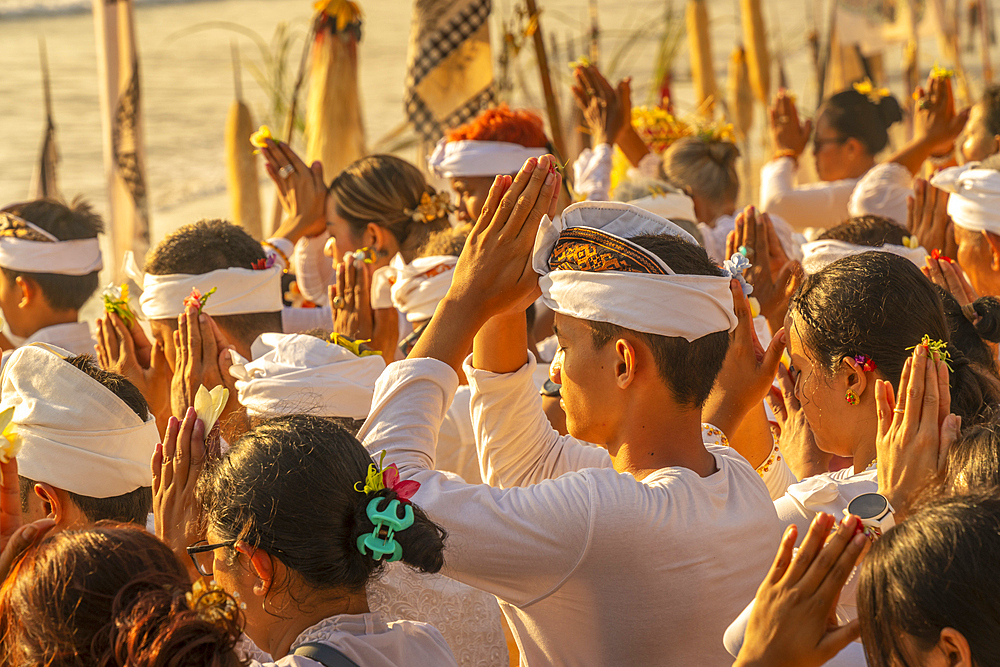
(865, 362)
(263, 264)
(937, 254)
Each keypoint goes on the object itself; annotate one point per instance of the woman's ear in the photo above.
(955, 648)
(857, 379)
(262, 566)
(855, 149)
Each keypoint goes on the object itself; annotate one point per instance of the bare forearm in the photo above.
(501, 344)
(632, 145)
(913, 154)
(450, 334)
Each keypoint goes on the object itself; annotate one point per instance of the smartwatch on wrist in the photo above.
(875, 512)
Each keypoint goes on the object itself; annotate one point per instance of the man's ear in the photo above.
(955, 648)
(52, 502)
(994, 242)
(30, 292)
(625, 364)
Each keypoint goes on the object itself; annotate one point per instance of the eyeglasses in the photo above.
(819, 143)
(202, 555)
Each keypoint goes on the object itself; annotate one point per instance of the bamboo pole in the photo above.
(758, 57)
(595, 33)
(984, 31)
(551, 103)
(241, 163)
(700, 51)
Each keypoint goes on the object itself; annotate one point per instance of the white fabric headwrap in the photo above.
(416, 288)
(817, 255)
(669, 205)
(975, 196)
(295, 373)
(76, 434)
(882, 191)
(237, 291)
(79, 257)
(454, 159)
(683, 306)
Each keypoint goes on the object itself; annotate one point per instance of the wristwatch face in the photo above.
(868, 506)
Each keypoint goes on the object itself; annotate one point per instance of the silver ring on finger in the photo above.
(286, 171)
(899, 411)
(338, 302)
(783, 119)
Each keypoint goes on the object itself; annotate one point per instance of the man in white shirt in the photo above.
(639, 557)
(49, 264)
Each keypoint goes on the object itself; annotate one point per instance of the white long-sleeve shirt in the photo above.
(821, 205)
(592, 566)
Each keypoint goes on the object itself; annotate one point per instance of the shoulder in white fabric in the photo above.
(76, 434)
(975, 196)
(296, 373)
(590, 270)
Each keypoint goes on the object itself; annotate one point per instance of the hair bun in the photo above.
(988, 310)
(722, 153)
(890, 110)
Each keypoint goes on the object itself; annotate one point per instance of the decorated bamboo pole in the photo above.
(595, 33)
(44, 178)
(984, 32)
(241, 163)
(741, 102)
(551, 103)
(700, 48)
(758, 56)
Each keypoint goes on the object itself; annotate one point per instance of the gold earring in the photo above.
(851, 397)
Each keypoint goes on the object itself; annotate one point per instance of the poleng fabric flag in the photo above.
(121, 115)
(449, 71)
(44, 177)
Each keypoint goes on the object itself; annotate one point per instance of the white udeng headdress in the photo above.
(76, 434)
(237, 291)
(470, 158)
(592, 272)
(417, 287)
(296, 373)
(817, 255)
(975, 196)
(79, 257)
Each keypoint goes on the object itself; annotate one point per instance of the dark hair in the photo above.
(688, 368)
(866, 230)
(132, 507)
(209, 245)
(880, 305)
(933, 571)
(66, 223)
(973, 464)
(287, 488)
(108, 596)
(971, 338)
(379, 190)
(991, 109)
(854, 116)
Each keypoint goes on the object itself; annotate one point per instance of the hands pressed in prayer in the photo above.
(736, 403)
(949, 276)
(935, 119)
(15, 536)
(600, 104)
(354, 317)
(798, 446)
(793, 622)
(915, 432)
(927, 218)
(788, 136)
(494, 274)
(176, 465)
(301, 191)
(202, 358)
(127, 351)
(773, 275)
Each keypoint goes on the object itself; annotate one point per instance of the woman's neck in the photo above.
(284, 631)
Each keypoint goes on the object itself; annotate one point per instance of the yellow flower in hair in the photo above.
(373, 481)
(353, 345)
(10, 442)
(210, 404)
(431, 207)
(868, 89)
(941, 72)
(211, 602)
(911, 242)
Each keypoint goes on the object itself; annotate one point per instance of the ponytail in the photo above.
(422, 542)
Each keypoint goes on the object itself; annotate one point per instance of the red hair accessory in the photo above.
(865, 362)
(263, 264)
(404, 488)
(936, 254)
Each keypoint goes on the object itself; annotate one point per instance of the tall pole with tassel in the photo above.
(551, 103)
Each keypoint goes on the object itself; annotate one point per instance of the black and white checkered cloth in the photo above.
(432, 50)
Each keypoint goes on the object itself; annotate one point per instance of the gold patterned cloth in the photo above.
(586, 249)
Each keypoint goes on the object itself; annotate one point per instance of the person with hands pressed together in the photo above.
(851, 129)
(608, 539)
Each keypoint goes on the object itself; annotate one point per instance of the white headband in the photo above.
(660, 302)
(79, 257)
(975, 196)
(817, 255)
(295, 373)
(237, 291)
(454, 159)
(416, 288)
(882, 191)
(76, 434)
(669, 205)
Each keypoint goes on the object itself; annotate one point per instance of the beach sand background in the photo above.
(188, 82)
